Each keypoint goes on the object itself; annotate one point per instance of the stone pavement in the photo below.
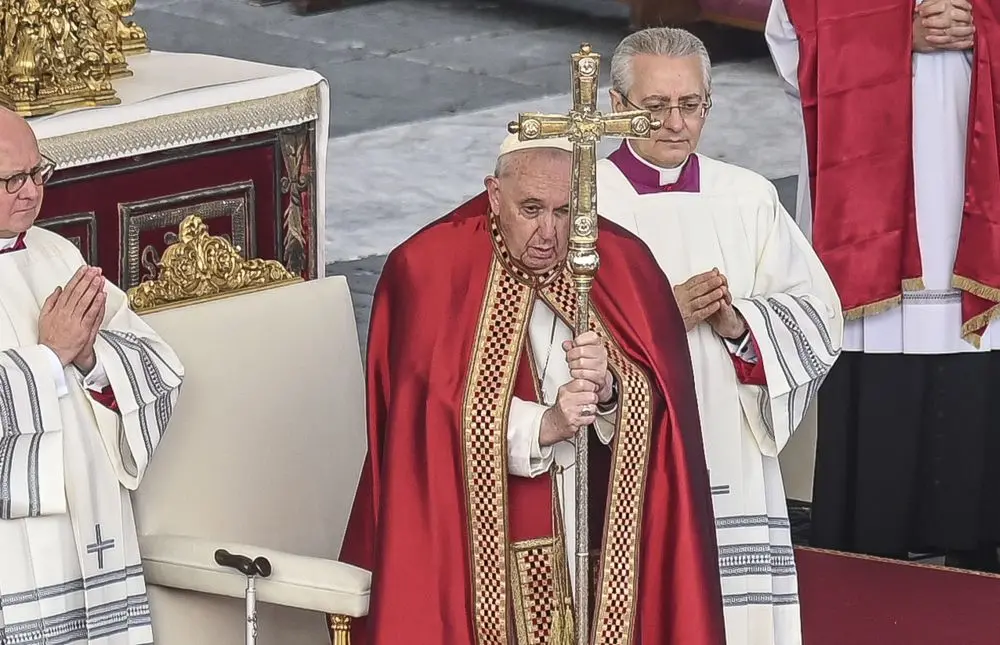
(362, 276)
(399, 61)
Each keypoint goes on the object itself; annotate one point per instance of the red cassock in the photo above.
(461, 552)
(855, 82)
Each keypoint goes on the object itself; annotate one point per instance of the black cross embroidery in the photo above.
(100, 546)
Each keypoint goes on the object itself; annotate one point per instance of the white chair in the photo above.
(262, 455)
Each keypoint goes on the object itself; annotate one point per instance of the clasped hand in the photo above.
(706, 298)
(576, 401)
(71, 317)
(943, 25)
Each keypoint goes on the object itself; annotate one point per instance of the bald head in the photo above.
(14, 133)
(21, 174)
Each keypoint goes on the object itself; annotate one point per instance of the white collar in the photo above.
(667, 175)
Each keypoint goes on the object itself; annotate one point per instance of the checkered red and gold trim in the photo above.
(530, 571)
(502, 325)
(534, 570)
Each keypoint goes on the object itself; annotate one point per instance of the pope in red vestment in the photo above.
(462, 551)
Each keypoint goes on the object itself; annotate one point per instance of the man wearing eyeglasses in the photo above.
(86, 391)
(763, 320)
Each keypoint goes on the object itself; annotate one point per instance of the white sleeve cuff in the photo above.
(605, 424)
(97, 379)
(541, 456)
(58, 372)
(525, 457)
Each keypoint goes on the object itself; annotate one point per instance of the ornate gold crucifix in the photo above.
(584, 126)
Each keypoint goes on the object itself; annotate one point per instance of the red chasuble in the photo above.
(855, 82)
(461, 552)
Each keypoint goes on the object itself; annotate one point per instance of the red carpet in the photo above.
(858, 600)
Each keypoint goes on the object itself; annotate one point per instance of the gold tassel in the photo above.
(570, 634)
(556, 633)
(563, 629)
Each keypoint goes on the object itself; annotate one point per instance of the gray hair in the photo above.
(507, 163)
(657, 41)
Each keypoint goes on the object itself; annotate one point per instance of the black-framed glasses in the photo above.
(38, 175)
(688, 108)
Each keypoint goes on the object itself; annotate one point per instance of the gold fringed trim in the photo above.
(970, 329)
(875, 308)
(984, 291)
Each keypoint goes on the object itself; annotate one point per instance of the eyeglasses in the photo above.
(38, 175)
(688, 108)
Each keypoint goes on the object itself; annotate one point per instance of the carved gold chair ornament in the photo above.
(62, 54)
(201, 267)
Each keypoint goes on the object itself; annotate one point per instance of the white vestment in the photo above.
(928, 322)
(735, 223)
(70, 571)
(525, 457)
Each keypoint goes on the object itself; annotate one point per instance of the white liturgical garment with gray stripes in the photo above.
(731, 219)
(70, 571)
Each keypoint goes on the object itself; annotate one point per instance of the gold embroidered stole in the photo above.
(528, 569)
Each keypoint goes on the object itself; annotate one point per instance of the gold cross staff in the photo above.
(583, 126)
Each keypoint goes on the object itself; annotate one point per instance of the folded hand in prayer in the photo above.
(943, 25)
(71, 317)
(727, 321)
(700, 297)
(706, 298)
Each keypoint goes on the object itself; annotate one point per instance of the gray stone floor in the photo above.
(362, 276)
(397, 61)
(393, 62)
